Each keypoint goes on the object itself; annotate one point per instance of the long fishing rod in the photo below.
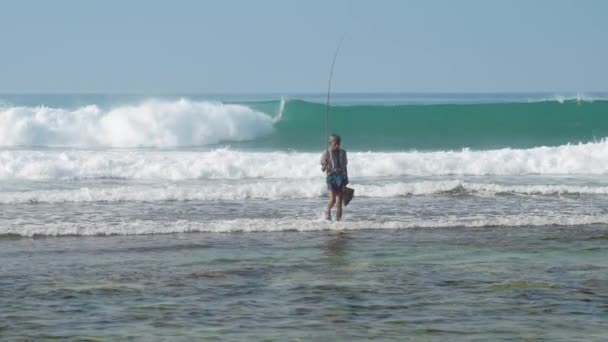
(331, 74)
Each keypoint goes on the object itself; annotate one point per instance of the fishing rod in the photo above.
(331, 74)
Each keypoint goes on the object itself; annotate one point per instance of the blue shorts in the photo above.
(336, 182)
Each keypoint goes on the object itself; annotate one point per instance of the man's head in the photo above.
(334, 141)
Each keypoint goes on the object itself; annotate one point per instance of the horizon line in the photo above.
(286, 93)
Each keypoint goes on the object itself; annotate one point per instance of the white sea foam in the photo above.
(274, 190)
(273, 225)
(279, 190)
(579, 159)
(398, 189)
(152, 123)
(564, 97)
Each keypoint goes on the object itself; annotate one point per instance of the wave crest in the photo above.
(152, 123)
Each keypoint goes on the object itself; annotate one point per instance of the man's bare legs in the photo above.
(333, 198)
(330, 204)
(340, 196)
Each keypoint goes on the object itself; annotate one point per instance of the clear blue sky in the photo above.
(286, 46)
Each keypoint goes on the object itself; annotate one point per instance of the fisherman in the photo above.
(333, 163)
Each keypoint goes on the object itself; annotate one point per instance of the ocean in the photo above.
(189, 216)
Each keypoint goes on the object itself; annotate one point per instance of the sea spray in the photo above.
(152, 123)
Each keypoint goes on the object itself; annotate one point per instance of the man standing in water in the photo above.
(333, 163)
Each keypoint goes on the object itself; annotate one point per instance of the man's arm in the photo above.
(324, 162)
(346, 167)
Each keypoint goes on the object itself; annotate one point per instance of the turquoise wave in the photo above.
(435, 127)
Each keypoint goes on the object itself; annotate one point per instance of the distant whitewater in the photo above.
(225, 163)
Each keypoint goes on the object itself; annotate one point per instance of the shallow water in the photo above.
(535, 283)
